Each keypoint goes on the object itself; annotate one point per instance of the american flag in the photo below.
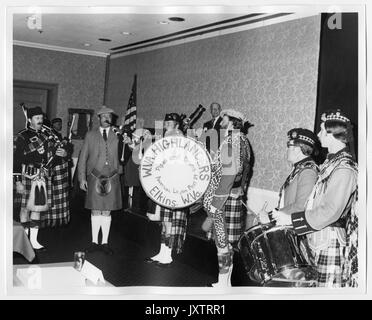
(131, 115)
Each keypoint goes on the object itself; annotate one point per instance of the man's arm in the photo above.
(18, 155)
(83, 157)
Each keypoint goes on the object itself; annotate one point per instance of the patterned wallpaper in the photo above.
(80, 78)
(269, 73)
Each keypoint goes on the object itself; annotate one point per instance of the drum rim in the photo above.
(281, 269)
(210, 167)
(273, 229)
(258, 226)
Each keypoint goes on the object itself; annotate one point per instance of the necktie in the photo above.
(104, 135)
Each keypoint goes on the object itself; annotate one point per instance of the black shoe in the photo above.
(150, 260)
(35, 260)
(163, 265)
(42, 249)
(92, 248)
(106, 249)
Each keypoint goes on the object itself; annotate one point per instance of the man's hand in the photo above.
(20, 188)
(84, 185)
(61, 152)
(264, 217)
(282, 218)
(127, 140)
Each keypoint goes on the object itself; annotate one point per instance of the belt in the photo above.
(98, 174)
(31, 169)
(237, 184)
(340, 223)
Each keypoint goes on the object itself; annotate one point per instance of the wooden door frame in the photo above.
(52, 89)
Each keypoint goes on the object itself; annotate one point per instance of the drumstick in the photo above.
(264, 206)
(249, 209)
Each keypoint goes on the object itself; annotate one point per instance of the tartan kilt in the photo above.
(329, 265)
(233, 213)
(59, 213)
(178, 220)
(42, 223)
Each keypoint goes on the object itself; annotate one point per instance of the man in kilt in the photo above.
(174, 222)
(223, 200)
(330, 219)
(33, 174)
(99, 171)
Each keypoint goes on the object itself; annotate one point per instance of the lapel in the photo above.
(217, 125)
(98, 139)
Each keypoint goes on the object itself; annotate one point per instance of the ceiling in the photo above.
(72, 31)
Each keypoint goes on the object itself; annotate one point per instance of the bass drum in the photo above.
(175, 171)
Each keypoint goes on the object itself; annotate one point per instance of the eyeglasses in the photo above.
(290, 144)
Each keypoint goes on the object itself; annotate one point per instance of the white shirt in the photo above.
(107, 130)
(214, 122)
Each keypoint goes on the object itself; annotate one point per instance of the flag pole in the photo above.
(131, 103)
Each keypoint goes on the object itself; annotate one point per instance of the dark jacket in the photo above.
(209, 124)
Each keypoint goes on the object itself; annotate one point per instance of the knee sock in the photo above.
(105, 224)
(96, 225)
(33, 238)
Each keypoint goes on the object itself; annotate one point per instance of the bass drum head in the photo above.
(294, 277)
(175, 171)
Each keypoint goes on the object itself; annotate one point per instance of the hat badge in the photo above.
(294, 134)
(324, 117)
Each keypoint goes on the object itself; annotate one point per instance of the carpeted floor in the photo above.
(133, 238)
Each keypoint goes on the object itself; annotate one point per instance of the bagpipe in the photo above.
(188, 122)
(122, 132)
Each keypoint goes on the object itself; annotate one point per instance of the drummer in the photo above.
(173, 222)
(302, 144)
(330, 219)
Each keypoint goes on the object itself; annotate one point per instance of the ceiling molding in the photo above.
(62, 49)
(188, 31)
(263, 21)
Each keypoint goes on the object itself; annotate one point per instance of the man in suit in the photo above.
(215, 122)
(99, 169)
(211, 138)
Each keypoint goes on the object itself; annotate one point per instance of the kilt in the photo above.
(233, 213)
(59, 213)
(178, 220)
(25, 213)
(329, 265)
(104, 202)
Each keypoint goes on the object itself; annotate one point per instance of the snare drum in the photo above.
(275, 258)
(245, 242)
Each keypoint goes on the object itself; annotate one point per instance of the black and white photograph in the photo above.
(193, 150)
